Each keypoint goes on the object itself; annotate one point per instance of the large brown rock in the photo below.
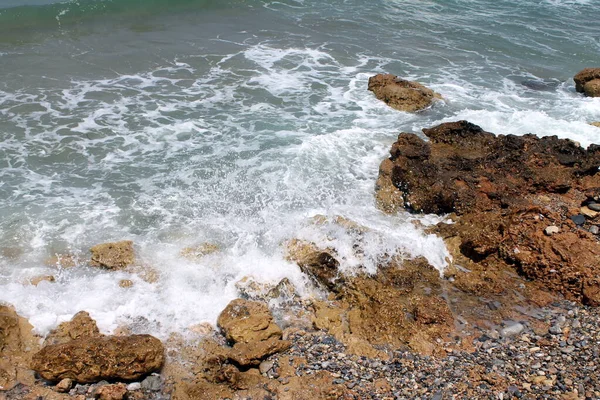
(115, 255)
(245, 321)
(320, 265)
(504, 191)
(88, 360)
(80, 326)
(585, 76)
(401, 94)
(592, 88)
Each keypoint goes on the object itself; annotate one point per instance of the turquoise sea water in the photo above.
(173, 123)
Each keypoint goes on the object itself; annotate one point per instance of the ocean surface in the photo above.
(232, 122)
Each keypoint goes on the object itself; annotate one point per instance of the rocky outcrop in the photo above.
(505, 191)
(401, 94)
(320, 265)
(588, 81)
(93, 359)
(115, 255)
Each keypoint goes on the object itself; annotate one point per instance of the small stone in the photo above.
(594, 206)
(551, 230)
(152, 383)
(513, 329)
(125, 283)
(132, 387)
(588, 212)
(111, 392)
(64, 385)
(555, 330)
(265, 366)
(578, 219)
(594, 229)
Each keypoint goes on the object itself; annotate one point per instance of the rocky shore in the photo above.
(513, 316)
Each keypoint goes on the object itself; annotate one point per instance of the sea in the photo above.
(239, 123)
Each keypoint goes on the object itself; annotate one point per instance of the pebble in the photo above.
(64, 385)
(152, 383)
(551, 230)
(555, 330)
(265, 366)
(513, 329)
(588, 212)
(132, 387)
(594, 229)
(594, 206)
(578, 219)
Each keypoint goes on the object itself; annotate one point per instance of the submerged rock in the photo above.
(401, 94)
(92, 359)
(320, 265)
(115, 255)
(588, 81)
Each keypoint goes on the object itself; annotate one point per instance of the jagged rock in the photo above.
(17, 342)
(245, 321)
(504, 191)
(320, 265)
(64, 385)
(401, 94)
(80, 326)
(253, 290)
(125, 283)
(115, 255)
(93, 359)
(585, 77)
(116, 391)
(596, 124)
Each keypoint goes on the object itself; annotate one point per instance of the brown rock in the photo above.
(320, 265)
(596, 124)
(88, 360)
(64, 385)
(125, 283)
(80, 326)
(116, 391)
(62, 260)
(495, 185)
(251, 354)
(401, 94)
(245, 321)
(36, 280)
(116, 255)
(584, 76)
(592, 88)
(197, 252)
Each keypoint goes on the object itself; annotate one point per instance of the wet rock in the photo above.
(115, 255)
(36, 280)
(401, 94)
(253, 290)
(551, 230)
(504, 192)
(66, 260)
(594, 207)
(92, 359)
(251, 354)
(197, 252)
(596, 124)
(585, 76)
(245, 321)
(125, 283)
(592, 88)
(578, 219)
(320, 265)
(80, 326)
(64, 385)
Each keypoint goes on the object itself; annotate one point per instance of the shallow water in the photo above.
(234, 122)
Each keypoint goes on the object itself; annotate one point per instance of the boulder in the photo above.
(592, 88)
(17, 342)
(585, 76)
(504, 192)
(92, 359)
(401, 94)
(245, 321)
(80, 326)
(115, 255)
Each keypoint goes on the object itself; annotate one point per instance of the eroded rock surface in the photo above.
(505, 191)
(80, 326)
(115, 255)
(401, 94)
(588, 81)
(245, 321)
(93, 359)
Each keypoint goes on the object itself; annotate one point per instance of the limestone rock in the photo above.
(197, 252)
(36, 280)
(596, 124)
(401, 94)
(320, 265)
(245, 321)
(115, 255)
(88, 360)
(80, 326)
(584, 76)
